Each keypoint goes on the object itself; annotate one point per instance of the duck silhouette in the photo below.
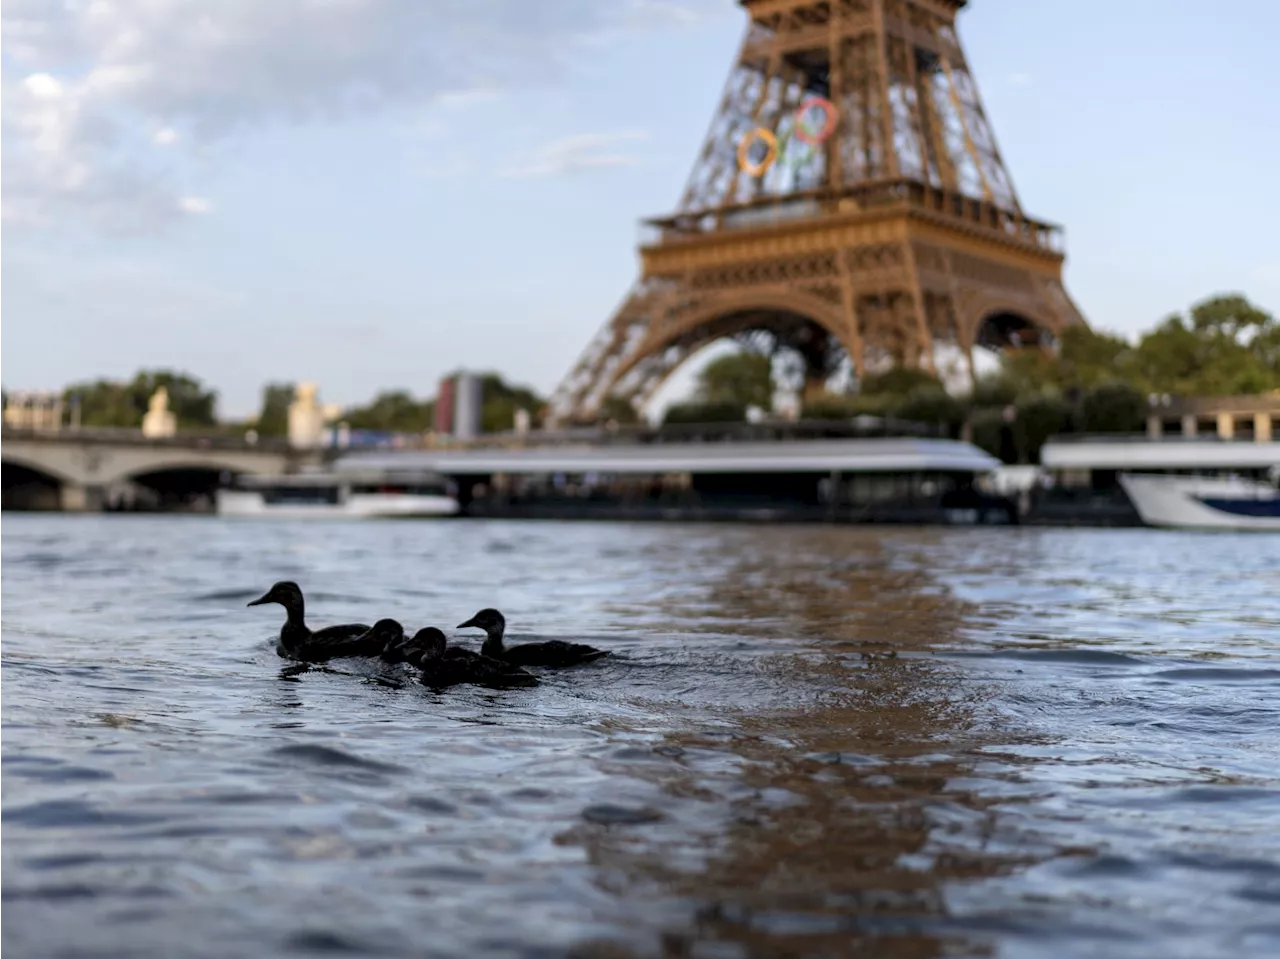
(554, 653)
(300, 643)
(443, 665)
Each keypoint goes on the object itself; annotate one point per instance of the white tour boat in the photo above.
(1204, 502)
(1188, 483)
(376, 494)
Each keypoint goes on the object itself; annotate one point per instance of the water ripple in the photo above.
(810, 740)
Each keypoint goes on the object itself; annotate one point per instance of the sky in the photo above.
(369, 194)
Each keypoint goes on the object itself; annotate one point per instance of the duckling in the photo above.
(392, 634)
(452, 666)
(554, 652)
(300, 643)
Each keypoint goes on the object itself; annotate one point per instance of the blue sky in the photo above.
(382, 197)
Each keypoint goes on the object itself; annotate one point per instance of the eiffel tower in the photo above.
(849, 205)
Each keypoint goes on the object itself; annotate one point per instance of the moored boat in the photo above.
(1203, 502)
(321, 495)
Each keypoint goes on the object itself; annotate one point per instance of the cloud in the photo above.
(91, 88)
(583, 151)
(194, 204)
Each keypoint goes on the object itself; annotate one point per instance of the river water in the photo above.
(810, 741)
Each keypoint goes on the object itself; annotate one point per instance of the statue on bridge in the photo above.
(159, 421)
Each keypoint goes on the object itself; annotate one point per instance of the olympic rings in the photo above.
(830, 118)
(758, 135)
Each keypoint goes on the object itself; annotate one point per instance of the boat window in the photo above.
(301, 496)
(398, 489)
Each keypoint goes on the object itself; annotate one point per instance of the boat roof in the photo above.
(1131, 453)
(323, 478)
(797, 456)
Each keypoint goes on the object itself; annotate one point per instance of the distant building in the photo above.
(34, 410)
(1229, 417)
(459, 403)
(444, 407)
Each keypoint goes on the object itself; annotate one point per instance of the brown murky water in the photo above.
(809, 742)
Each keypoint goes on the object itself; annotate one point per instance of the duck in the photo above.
(393, 641)
(300, 643)
(443, 665)
(555, 653)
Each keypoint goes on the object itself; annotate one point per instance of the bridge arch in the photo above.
(132, 473)
(25, 485)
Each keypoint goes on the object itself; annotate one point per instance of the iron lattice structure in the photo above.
(900, 231)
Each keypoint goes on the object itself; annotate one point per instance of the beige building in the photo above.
(1227, 417)
(34, 410)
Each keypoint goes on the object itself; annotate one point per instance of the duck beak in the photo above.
(470, 622)
(261, 599)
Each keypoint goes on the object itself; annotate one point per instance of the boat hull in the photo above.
(1195, 502)
(355, 506)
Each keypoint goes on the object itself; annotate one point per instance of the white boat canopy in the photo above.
(796, 456)
(1171, 453)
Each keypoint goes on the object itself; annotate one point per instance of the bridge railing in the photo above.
(134, 437)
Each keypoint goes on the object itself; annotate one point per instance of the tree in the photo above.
(899, 381)
(835, 406)
(931, 404)
(393, 411)
(1226, 348)
(500, 400)
(994, 391)
(273, 418)
(619, 409)
(1037, 418)
(190, 402)
(1114, 407)
(992, 433)
(743, 379)
(1088, 357)
(704, 413)
(111, 403)
(105, 403)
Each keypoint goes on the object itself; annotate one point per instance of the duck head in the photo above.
(285, 593)
(391, 635)
(490, 620)
(428, 643)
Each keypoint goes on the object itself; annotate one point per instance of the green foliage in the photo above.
(500, 400)
(832, 406)
(1114, 407)
(742, 379)
(704, 413)
(395, 411)
(991, 433)
(273, 417)
(1089, 357)
(1226, 347)
(995, 391)
(112, 403)
(931, 404)
(899, 381)
(1037, 418)
(618, 409)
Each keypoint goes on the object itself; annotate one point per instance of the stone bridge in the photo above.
(83, 469)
